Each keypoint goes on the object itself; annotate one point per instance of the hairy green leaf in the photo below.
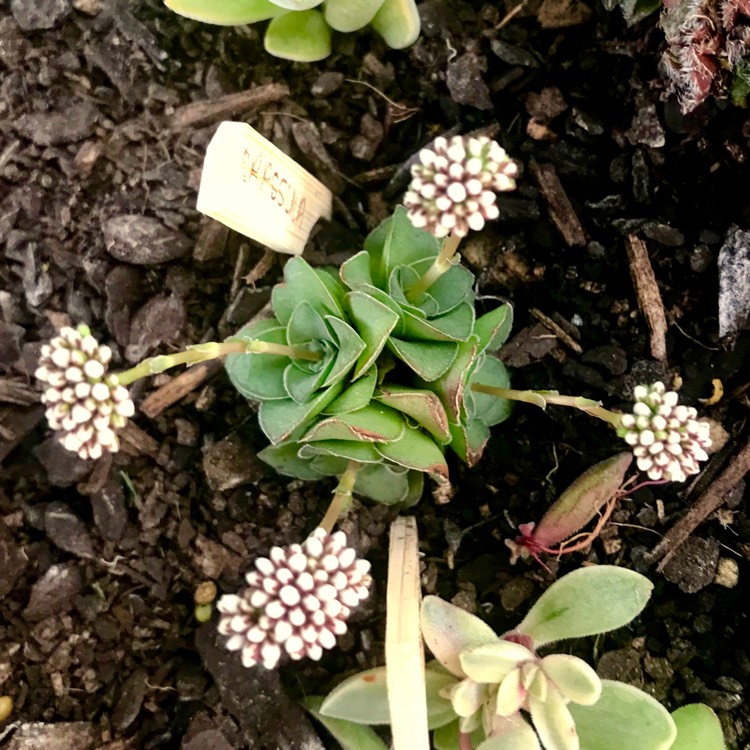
(302, 36)
(446, 737)
(698, 728)
(350, 735)
(285, 459)
(585, 602)
(624, 718)
(449, 630)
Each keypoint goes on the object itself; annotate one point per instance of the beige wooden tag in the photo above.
(404, 654)
(257, 190)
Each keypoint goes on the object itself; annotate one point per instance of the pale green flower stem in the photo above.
(212, 350)
(546, 398)
(342, 497)
(441, 264)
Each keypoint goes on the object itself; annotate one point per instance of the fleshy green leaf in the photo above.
(446, 738)
(396, 241)
(450, 386)
(452, 288)
(302, 36)
(350, 346)
(511, 733)
(467, 697)
(303, 282)
(422, 405)
(363, 698)
(384, 483)
(582, 500)
(468, 440)
(624, 718)
(285, 459)
(355, 272)
(374, 322)
(349, 735)
(449, 630)
(398, 23)
(491, 662)
(227, 12)
(575, 679)
(279, 419)
(488, 408)
(698, 728)
(429, 359)
(259, 376)
(373, 423)
(349, 449)
(356, 396)
(553, 722)
(350, 15)
(298, 4)
(585, 602)
(494, 328)
(455, 325)
(415, 450)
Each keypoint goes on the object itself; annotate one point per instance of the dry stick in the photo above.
(179, 387)
(404, 655)
(706, 504)
(558, 330)
(649, 297)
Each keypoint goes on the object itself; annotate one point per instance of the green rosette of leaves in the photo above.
(425, 332)
(309, 317)
(471, 414)
(394, 452)
(301, 30)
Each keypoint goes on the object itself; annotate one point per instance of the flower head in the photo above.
(84, 403)
(668, 440)
(297, 600)
(454, 184)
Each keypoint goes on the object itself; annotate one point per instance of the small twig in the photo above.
(559, 331)
(649, 297)
(511, 14)
(706, 504)
(560, 208)
(208, 111)
(179, 387)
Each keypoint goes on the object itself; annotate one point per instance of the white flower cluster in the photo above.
(297, 601)
(668, 440)
(84, 403)
(454, 184)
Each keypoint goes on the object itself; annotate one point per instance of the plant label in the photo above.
(257, 190)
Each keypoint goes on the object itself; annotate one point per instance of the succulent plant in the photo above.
(300, 30)
(482, 687)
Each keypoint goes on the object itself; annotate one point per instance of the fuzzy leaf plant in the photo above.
(490, 692)
(301, 30)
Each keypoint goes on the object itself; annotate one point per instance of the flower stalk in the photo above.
(543, 399)
(212, 350)
(444, 261)
(342, 497)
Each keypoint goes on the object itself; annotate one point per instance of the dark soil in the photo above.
(99, 562)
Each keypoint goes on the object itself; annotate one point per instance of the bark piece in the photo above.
(649, 297)
(560, 209)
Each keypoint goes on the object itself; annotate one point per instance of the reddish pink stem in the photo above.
(464, 741)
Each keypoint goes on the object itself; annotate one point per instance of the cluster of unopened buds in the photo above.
(297, 601)
(667, 438)
(85, 404)
(454, 185)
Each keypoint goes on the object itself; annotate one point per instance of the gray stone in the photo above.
(693, 565)
(53, 593)
(110, 513)
(160, 321)
(57, 128)
(74, 735)
(230, 463)
(465, 82)
(34, 15)
(143, 241)
(12, 561)
(67, 531)
(734, 282)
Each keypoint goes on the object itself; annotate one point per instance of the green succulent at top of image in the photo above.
(382, 370)
(300, 30)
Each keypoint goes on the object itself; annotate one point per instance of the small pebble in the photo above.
(727, 573)
(6, 707)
